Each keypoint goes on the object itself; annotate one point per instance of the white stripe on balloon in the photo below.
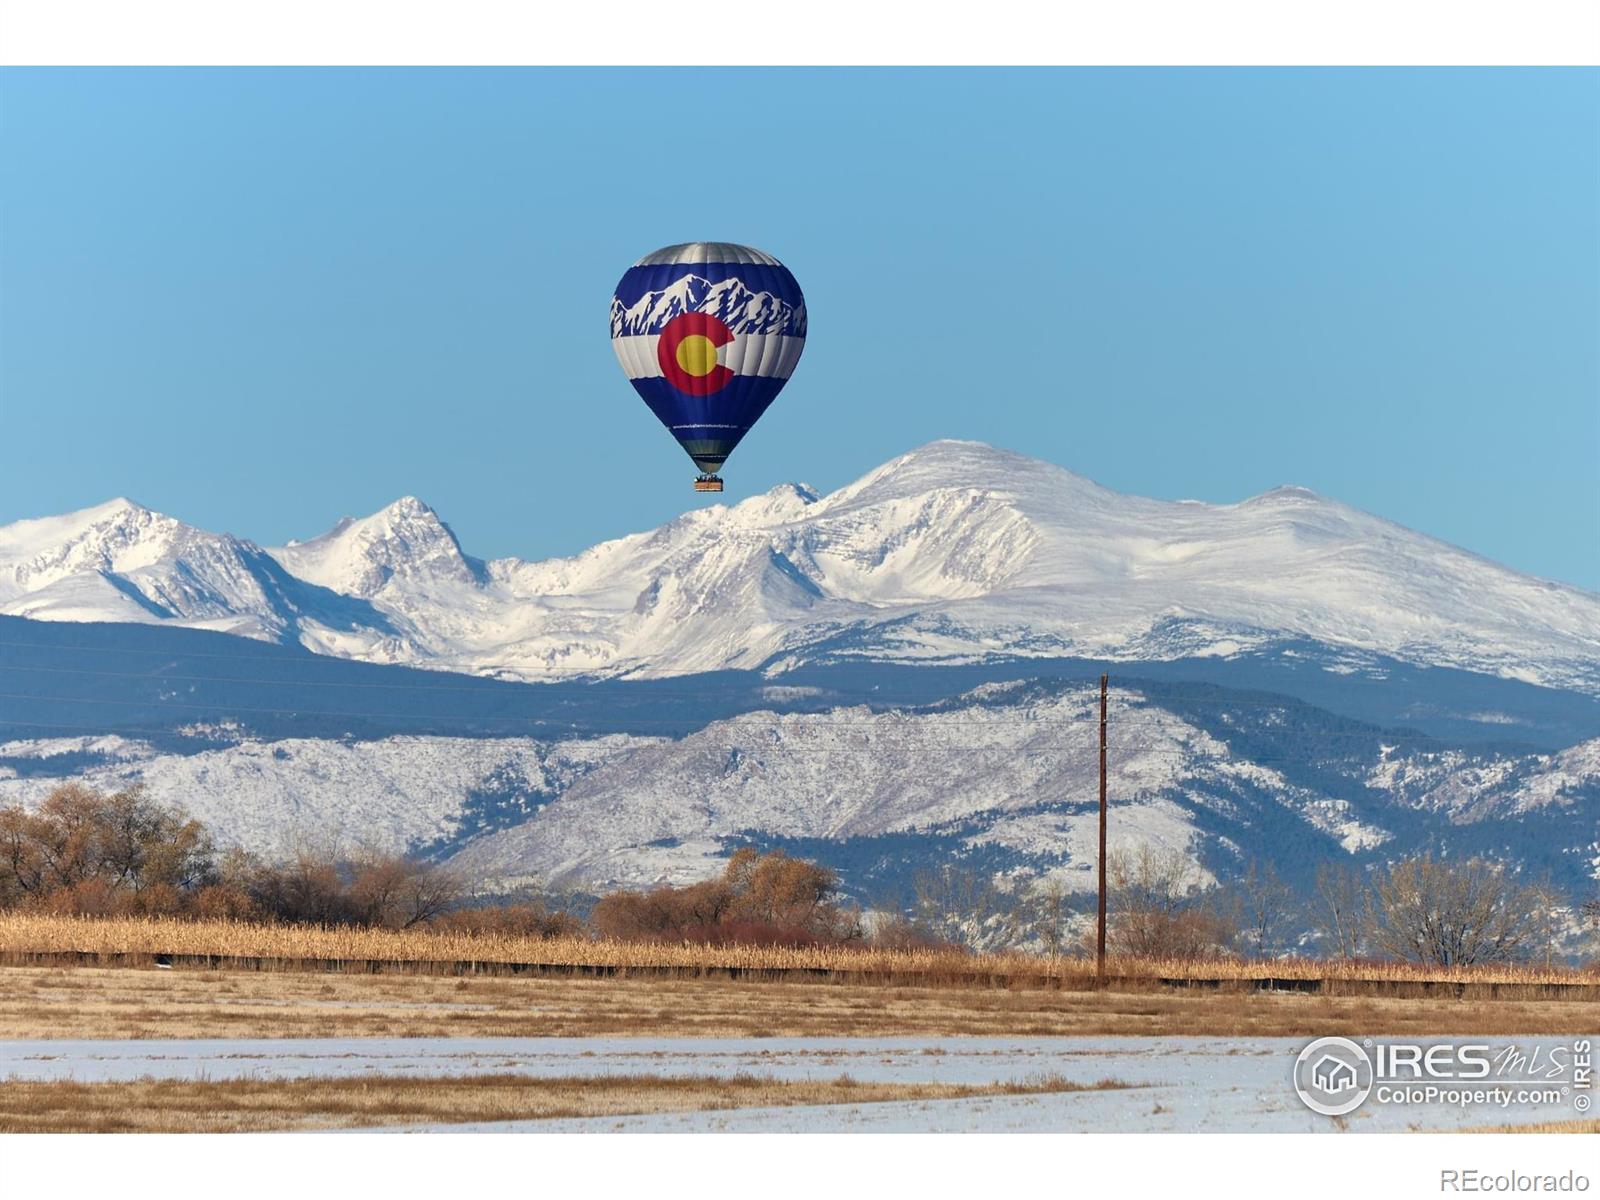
(766, 355)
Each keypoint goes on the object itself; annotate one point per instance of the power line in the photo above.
(487, 683)
(1199, 764)
(793, 724)
(926, 709)
(289, 656)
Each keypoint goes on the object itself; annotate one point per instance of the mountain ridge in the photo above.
(878, 769)
(953, 552)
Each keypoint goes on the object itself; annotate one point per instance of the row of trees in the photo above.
(1433, 910)
(83, 851)
(1423, 909)
(91, 853)
(87, 852)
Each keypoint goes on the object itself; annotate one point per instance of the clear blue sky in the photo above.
(259, 300)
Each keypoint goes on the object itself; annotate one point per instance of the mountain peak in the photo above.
(108, 512)
(117, 535)
(121, 561)
(116, 505)
(955, 551)
(958, 456)
(409, 506)
(1286, 492)
(360, 555)
(952, 465)
(786, 502)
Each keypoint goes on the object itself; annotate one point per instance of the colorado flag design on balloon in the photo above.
(708, 333)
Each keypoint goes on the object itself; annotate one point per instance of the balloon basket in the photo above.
(708, 483)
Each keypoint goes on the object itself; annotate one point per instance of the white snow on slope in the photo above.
(1025, 777)
(1020, 776)
(387, 795)
(1470, 786)
(1558, 782)
(952, 552)
(120, 562)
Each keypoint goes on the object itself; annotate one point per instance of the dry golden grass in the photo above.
(1584, 1125)
(276, 946)
(252, 1105)
(96, 1002)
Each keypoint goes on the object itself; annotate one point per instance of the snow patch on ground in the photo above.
(1204, 1084)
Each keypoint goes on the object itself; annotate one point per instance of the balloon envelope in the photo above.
(708, 333)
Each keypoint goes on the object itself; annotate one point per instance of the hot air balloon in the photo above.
(708, 333)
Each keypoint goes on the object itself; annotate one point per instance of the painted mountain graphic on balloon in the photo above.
(731, 302)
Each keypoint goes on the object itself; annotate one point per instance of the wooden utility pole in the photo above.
(1100, 928)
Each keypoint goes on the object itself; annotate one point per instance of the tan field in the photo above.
(250, 1106)
(1588, 1125)
(97, 1002)
(27, 937)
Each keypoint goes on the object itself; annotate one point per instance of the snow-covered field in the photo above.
(1210, 1085)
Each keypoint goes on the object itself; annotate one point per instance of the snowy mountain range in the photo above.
(886, 677)
(1002, 776)
(956, 552)
(735, 305)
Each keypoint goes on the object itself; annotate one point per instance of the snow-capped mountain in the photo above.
(956, 552)
(731, 302)
(1003, 776)
(1007, 774)
(119, 561)
(360, 557)
(393, 794)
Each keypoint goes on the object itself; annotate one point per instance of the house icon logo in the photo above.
(1333, 1076)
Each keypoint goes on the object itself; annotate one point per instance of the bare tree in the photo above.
(1265, 906)
(770, 898)
(1155, 909)
(1047, 912)
(960, 905)
(1589, 923)
(1448, 913)
(1341, 905)
(398, 892)
(306, 888)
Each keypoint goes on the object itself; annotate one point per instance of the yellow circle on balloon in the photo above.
(697, 356)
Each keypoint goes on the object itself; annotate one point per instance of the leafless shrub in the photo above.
(397, 892)
(317, 886)
(1046, 912)
(1341, 905)
(531, 919)
(1263, 907)
(759, 898)
(1589, 924)
(896, 931)
(1155, 908)
(962, 906)
(1458, 913)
